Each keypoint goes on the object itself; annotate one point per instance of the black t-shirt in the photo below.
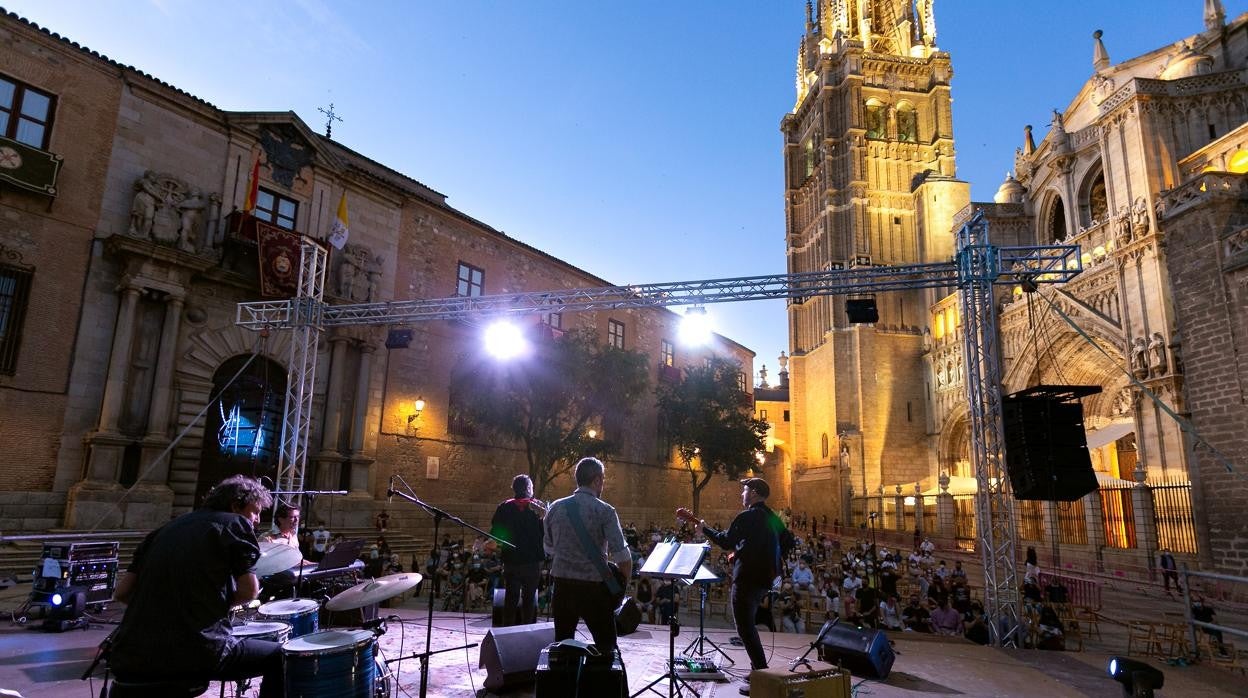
(175, 622)
(516, 522)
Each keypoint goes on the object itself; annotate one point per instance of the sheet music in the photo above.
(676, 560)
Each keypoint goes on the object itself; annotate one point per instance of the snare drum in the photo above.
(274, 631)
(339, 663)
(300, 613)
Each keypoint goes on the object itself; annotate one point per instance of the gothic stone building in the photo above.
(870, 180)
(126, 389)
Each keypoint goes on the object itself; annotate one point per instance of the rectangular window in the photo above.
(469, 281)
(667, 354)
(276, 209)
(786, 415)
(25, 113)
(14, 292)
(553, 320)
(741, 381)
(615, 333)
(762, 414)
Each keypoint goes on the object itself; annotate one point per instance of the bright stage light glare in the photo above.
(695, 328)
(504, 340)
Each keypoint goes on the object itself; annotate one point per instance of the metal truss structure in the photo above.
(304, 321)
(976, 268)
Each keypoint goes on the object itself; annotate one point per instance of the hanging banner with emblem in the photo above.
(279, 260)
(28, 168)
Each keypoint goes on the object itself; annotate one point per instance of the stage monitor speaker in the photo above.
(598, 677)
(627, 617)
(496, 610)
(510, 655)
(1046, 449)
(862, 651)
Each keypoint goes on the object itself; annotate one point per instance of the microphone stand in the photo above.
(437, 515)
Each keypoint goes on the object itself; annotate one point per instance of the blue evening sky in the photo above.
(637, 140)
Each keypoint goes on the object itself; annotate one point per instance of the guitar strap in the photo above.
(595, 556)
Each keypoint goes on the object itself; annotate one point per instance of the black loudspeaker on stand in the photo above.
(862, 651)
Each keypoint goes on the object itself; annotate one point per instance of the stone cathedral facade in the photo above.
(880, 417)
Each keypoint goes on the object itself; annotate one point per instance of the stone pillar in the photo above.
(329, 460)
(946, 515)
(157, 438)
(1093, 519)
(899, 515)
(119, 362)
(361, 466)
(1145, 526)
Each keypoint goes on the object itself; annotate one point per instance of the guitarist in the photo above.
(580, 587)
(754, 537)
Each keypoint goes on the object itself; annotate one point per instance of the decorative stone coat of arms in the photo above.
(171, 212)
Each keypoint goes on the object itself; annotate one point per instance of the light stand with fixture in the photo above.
(419, 406)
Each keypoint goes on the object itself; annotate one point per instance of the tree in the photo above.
(710, 423)
(548, 400)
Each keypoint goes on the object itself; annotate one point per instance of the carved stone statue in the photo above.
(192, 210)
(374, 286)
(346, 279)
(1157, 355)
(1122, 226)
(845, 456)
(1139, 357)
(1139, 217)
(1122, 402)
(1058, 123)
(143, 209)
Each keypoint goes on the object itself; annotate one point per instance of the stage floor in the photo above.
(35, 664)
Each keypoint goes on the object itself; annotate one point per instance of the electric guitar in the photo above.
(689, 517)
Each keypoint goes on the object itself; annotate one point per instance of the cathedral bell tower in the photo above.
(869, 167)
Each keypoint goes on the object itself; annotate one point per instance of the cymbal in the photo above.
(276, 557)
(373, 591)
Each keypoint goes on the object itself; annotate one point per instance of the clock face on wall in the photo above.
(10, 159)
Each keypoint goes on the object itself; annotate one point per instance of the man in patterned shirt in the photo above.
(580, 590)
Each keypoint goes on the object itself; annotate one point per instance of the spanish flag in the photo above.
(253, 186)
(338, 231)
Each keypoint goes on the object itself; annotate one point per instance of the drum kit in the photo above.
(322, 663)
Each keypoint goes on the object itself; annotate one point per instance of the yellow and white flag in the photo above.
(339, 230)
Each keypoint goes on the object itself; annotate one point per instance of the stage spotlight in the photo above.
(504, 340)
(66, 610)
(862, 310)
(695, 327)
(1137, 678)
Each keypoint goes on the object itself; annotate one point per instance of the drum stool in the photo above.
(157, 688)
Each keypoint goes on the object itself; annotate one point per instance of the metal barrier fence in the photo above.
(1079, 590)
(1172, 514)
(1209, 628)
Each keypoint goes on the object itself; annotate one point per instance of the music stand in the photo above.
(679, 561)
(704, 579)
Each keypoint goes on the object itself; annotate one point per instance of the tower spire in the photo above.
(1029, 142)
(810, 16)
(1100, 57)
(1215, 15)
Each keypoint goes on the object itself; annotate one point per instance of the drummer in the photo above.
(285, 531)
(179, 588)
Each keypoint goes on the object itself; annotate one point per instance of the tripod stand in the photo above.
(702, 640)
(675, 685)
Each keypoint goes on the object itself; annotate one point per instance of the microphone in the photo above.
(390, 490)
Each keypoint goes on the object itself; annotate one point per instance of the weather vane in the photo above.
(330, 118)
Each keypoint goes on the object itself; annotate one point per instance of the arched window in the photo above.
(1053, 223)
(826, 450)
(1093, 202)
(876, 120)
(907, 123)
